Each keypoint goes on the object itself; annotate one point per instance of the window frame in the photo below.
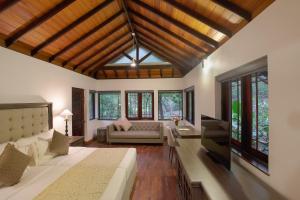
(243, 148)
(140, 94)
(187, 111)
(93, 93)
(170, 91)
(99, 107)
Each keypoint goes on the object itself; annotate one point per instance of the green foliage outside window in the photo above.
(109, 105)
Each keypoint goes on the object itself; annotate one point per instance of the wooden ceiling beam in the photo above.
(86, 35)
(162, 53)
(102, 38)
(103, 56)
(140, 67)
(100, 50)
(156, 35)
(113, 53)
(7, 4)
(205, 20)
(37, 21)
(179, 24)
(71, 26)
(167, 31)
(234, 8)
(160, 45)
(128, 56)
(124, 6)
(145, 57)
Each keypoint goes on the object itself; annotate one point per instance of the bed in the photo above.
(19, 121)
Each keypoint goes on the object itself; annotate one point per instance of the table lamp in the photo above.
(66, 114)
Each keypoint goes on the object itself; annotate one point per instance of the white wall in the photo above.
(275, 33)
(23, 78)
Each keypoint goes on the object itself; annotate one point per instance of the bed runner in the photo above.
(87, 179)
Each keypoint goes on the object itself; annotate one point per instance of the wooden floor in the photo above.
(156, 177)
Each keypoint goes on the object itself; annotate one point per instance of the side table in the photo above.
(101, 134)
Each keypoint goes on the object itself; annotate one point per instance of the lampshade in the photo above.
(66, 113)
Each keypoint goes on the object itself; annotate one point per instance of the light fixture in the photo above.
(133, 64)
(66, 114)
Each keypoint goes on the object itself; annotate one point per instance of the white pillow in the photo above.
(44, 155)
(125, 124)
(28, 146)
(46, 135)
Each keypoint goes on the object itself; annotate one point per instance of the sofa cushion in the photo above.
(135, 134)
(145, 126)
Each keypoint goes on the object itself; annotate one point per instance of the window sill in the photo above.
(261, 166)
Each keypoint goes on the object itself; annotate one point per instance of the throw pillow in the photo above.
(117, 125)
(59, 144)
(12, 165)
(125, 124)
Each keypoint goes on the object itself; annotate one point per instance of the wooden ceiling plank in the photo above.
(179, 24)
(37, 21)
(99, 50)
(102, 38)
(101, 58)
(166, 56)
(165, 40)
(184, 59)
(157, 43)
(234, 8)
(167, 31)
(173, 72)
(86, 35)
(205, 20)
(71, 26)
(7, 4)
(104, 73)
(117, 51)
(145, 57)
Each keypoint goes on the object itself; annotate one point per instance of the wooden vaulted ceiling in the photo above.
(85, 35)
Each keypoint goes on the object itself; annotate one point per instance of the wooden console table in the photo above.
(186, 132)
(201, 178)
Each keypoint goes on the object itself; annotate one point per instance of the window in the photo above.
(169, 104)
(236, 111)
(248, 114)
(139, 105)
(260, 117)
(109, 105)
(92, 105)
(190, 105)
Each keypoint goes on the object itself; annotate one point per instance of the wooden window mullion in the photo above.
(246, 113)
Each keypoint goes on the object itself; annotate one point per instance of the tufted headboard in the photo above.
(24, 120)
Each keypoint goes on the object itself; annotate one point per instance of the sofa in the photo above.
(140, 132)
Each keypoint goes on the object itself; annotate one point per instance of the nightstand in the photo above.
(76, 141)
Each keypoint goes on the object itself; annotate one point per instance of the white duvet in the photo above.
(37, 178)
